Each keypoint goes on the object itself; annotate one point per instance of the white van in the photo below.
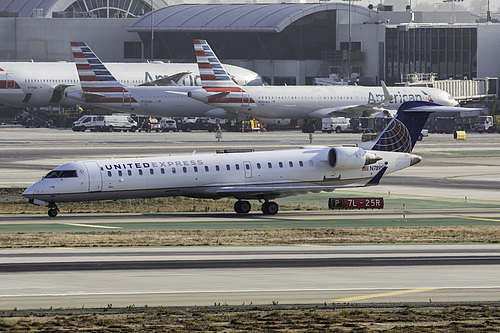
(335, 124)
(113, 123)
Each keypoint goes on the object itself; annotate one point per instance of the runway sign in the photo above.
(356, 203)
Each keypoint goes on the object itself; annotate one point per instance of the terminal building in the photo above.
(286, 43)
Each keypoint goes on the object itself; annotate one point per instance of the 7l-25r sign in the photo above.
(356, 203)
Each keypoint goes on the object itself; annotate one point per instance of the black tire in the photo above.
(420, 137)
(52, 212)
(133, 129)
(82, 128)
(110, 129)
(270, 208)
(338, 129)
(242, 207)
(187, 129)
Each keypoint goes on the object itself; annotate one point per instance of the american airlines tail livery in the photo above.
(100, 89)
(301, 102)
(45, 83)
(261, 176)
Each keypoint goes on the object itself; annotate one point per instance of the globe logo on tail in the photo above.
(396, 138)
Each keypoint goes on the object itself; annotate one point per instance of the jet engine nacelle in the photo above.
(199, 94)
(350, 158)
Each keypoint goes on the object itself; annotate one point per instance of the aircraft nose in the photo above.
(414, 159)
(33, 190)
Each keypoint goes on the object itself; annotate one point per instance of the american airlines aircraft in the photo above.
(37, 84)
(261, 176)
(100, 89)
(301, 102)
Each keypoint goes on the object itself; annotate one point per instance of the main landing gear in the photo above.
(268, 207)
(53, 209)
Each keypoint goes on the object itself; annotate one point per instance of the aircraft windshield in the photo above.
(62, 174)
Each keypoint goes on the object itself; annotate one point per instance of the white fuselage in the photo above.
(159, 101)
(213, 175)
(33, 84)
(302, 102)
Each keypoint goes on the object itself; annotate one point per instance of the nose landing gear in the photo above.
(53, 209)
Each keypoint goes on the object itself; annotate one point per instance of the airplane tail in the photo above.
(402, 133)
(213, 75)
(98, 84)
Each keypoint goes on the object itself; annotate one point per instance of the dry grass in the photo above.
(268, 236)
(325, 318)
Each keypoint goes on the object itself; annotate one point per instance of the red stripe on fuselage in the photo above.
(223, 89)
(105, 89)
(78, 55)
(230, 100)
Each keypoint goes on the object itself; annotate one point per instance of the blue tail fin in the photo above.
(403, 131)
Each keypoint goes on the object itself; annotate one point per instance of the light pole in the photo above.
(152, 31)
(349, 44)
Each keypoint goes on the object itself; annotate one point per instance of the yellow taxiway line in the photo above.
(391, 293)
(91, 226)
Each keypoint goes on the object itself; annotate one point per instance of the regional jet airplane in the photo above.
(41, 84)
(100, 89)
(261, 176)
(301, 102)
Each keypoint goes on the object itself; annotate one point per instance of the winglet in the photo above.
(387, 95)
(376, 179)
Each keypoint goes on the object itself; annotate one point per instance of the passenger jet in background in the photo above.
(301, 102)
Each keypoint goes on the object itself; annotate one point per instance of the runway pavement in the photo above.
(467, 170)
(34, 278)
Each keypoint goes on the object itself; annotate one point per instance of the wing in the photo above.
(171, 80)
(282, 191)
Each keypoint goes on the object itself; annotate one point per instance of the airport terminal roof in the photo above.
(231, 17)
(26, 7)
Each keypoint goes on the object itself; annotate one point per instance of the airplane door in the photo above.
(127, 98)
(8, 83)
(248, 169)
(95, 176)
(245, 99)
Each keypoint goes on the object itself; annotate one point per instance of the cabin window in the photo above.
(228, 167)
(311, 163)
(195, 169)
(140, 172)
(206, 168)
(280, 164)
(247, 166)
(119, 173)
(129, 172)
(184, 169)
(109, 173)
(151, 172)
(237, 166)
(173, 170)
(269, 165)
(301, 164)
(162, 170)
(290, 163)
(258, 166)
(217, 168)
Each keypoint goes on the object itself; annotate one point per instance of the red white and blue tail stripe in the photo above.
(98, 84)
(214, 77)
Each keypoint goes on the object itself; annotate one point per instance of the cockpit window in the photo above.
(62, 174)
